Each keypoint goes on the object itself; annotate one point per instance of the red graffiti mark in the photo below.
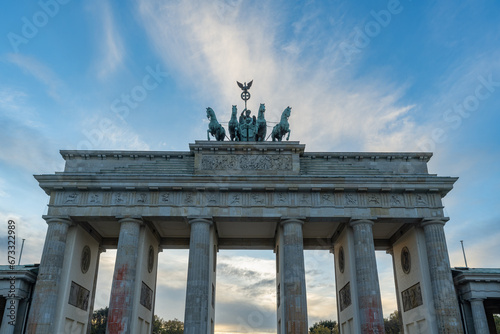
(119, 304)
(114, 321)
(370, 308)
(122, 272)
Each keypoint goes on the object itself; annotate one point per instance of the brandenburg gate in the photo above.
(244, 195)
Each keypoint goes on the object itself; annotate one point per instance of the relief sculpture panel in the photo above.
(246, 162)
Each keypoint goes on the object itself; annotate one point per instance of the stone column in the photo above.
(44, 305)
(10, 314)
(293, 278)
(369, 300)
(122, 290)
(445, 299)
(196, 317)
(479, 316)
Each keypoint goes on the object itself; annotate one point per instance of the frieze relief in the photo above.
(258, 199)
(189, 198)
(351, 199)
(396, 200)
(246, 162)
(304, 199)
(248, 198)
(95, 198)
(373, 200)
(212, 198)
(71, 198)
(281, 199)
(120, 198)
(421, 200)
(235, 199)
(166, 198)
(142, 198)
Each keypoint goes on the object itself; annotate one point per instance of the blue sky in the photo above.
(360, 76)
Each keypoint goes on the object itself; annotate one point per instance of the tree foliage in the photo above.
(392, 324)
(324, 327)
(99, 321)
(497, 322)
(160, 326)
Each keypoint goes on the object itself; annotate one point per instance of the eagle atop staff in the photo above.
(245, 86)
(245, 95)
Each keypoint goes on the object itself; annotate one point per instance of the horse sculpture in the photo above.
(214, 127)
(282, 127)
(234, 126)
(261, 124)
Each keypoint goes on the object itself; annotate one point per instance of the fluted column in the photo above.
(370, 303)
(196, 316)
(293, 278)
(122, 290)
(479, 316)
(44, 305)
(443, 291)
(10, 316)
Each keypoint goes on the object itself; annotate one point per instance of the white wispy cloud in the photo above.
(39, 71)
(111, 54)
(13, 105)
(103, 131)
(27, 148)
(327, 106)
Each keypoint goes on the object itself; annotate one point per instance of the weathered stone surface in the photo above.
(293, 278)
(44, 309)
(122, 291)
(479, 315)
(445, 300)
(246, 189)
(370, 302)
(198, 282)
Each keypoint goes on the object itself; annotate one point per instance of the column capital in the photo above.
(10, 297)
(434, 221)
(355, 221)
(130, 219)
(59, 219)
(193, 219)
(476, 299)
(298, 220)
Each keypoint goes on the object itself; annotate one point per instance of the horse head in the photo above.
(286, 113)
(262, 110)
(210, 113)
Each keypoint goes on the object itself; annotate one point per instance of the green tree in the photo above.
(497, 322)
(324, 327)
(99, 321)
(321, 330)
(392, 324)
(161, 326)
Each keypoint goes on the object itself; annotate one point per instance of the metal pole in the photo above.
(463, 250)
(21, 253)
